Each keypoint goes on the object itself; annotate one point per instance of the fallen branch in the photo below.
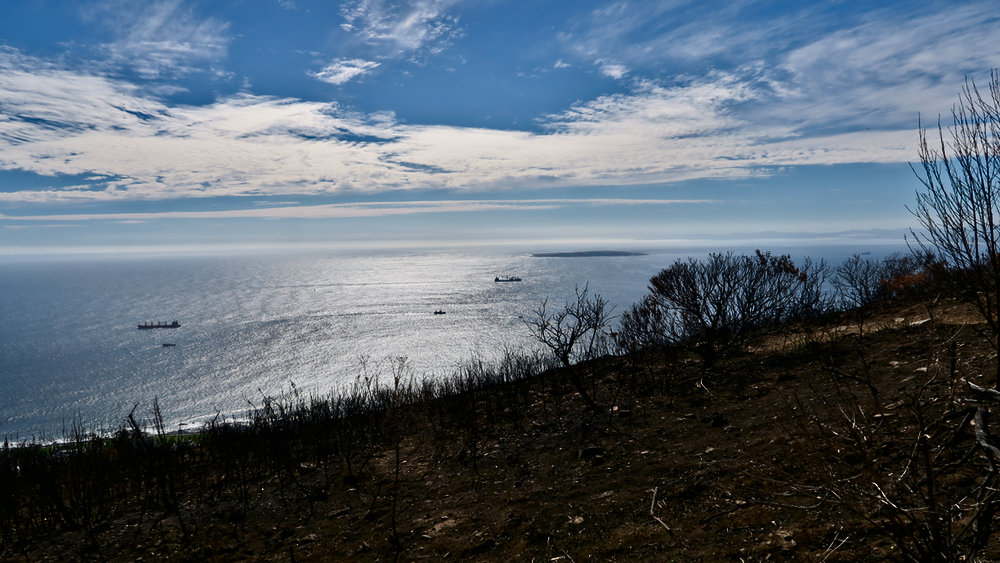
(983, 436)
(652, 505)
(984, 393)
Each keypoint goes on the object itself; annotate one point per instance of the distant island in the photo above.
(587, 254)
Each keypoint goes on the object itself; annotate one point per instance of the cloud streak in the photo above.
(349, 210)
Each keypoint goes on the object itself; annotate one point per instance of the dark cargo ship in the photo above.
(146, 326)
(507, 279)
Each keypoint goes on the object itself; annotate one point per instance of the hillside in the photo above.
(802, 449)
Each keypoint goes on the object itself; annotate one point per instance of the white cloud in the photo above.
(44, 102)
(809, 105)
(163, 37)
(649, 33)
(610, 31)
(884, 71)
(879, 69)
(561, 64)
(402, 27)
(341, 71)
(612, 69)
(57, 121)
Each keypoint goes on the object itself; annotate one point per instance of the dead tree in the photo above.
(575, 333)
(960, 210)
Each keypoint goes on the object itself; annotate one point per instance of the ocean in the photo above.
(70, 348)
(256, 325)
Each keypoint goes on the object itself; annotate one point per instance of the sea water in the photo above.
(253, 326)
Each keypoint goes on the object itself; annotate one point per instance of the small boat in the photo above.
(168, 345)
(507, 279)
(438, 312)
(148, 325)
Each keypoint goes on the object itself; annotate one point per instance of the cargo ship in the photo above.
(146, 326)
(507, 279)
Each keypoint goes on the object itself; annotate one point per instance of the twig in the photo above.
(701, 383)
(886, 500)
(830, 549)
(652, 505)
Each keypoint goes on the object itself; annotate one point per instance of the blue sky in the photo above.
(264, 123)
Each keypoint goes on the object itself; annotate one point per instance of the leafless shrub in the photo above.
(717, 306)
(959, 212)
(920, 471)
(861, 283)
(577, 332)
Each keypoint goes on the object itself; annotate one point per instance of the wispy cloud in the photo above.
(162, 37)
(878, 69)
(344, 210)
(44, 102)
(615, 31)
(886, 70)
(22, 227)
(651, 33)
(402, 27)
(340, 71)
(57, 121)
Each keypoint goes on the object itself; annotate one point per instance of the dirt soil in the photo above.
(737, 464)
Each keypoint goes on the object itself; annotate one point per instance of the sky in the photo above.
(192, 124)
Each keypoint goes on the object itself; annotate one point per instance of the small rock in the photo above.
(785, 539)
